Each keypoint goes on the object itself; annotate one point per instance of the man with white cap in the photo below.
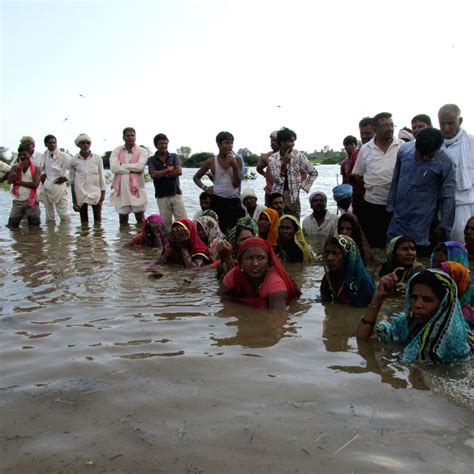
(87, 178)
(249, 201)
(321, 223)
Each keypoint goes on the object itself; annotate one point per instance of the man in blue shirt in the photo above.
(422, 190)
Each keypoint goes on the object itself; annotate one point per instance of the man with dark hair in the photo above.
(226, 168)
(459, 146)
(374, 166)
(25, 179)
(350, 144)
(419, 122)
(277, 203)
(263, 168)
(165, 169)
(204, 204)
(53, 193)
(291, 171)
(128, 162)
(422, 190)
(366, 132)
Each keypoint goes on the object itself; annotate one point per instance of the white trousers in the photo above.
(62, 208)
(171, 206)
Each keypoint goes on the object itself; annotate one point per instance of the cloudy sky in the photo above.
(190, 68)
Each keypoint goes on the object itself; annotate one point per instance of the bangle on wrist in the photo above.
(368, 323)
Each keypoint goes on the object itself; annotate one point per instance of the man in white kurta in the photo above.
(128, 190)
(459, 146)
(53, 192)
(87, 178)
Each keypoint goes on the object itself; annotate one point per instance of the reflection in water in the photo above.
(338, 333)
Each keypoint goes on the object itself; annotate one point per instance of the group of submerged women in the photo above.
(437, 321)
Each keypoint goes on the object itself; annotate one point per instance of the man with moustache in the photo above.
(375, 165)
(419, 122)
(459, 146)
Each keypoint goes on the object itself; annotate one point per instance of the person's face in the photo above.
(24, 159)
(418, 125)
(162, 146)
(277, 204)
(205, 203)
(350, 148)
(226, 146)
(449, 124)
(345, 228)
(469, 231)
(406, 254)
(85, 146)
(366, 133)
(51, 144)
(273, 144)
(201, 233)
(318, 204)
(129, 138)
(242, 237)
(255, 262)
(153, 231)
(333, 258)
(287, 145)
(250, 202)
(30, 146)
(423, 303)
(344, 203)
(287, 229)
(384, 129)
(263, 223)
(439, 257)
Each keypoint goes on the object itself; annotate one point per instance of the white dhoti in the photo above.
(54, 197)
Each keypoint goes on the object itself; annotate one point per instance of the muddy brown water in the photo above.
(104, 369)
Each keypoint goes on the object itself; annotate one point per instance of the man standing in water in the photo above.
(25, 179)
(226, 168)
(36, 157)
(165, 169)
(264, 170)
(460, 148)
(128, 162)
(287, 167)
(53, 193)
(374, 166)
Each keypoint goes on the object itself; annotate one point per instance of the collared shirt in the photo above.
(38, 159)
(420, 191)
(299, 165)
(166, 185)
(376, 167)
(328, 227)
(87, 177)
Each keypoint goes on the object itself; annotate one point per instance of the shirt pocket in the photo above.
(425, 180)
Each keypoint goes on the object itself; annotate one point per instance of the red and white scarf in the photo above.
(16, 187)
(133, 176)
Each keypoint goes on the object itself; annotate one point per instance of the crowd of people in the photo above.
(412, 196)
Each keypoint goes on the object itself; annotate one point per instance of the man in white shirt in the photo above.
(128, 162)
(53, 193)
(36, 157)
(87, 178)
(321, 224)
(375, 164)
(459, 146)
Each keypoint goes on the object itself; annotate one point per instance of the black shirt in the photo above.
(167, 185)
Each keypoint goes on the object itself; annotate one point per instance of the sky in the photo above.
(191, 68)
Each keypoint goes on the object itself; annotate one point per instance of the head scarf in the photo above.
(83, 137)
(298, 239)
(391, 264)
(248, 192)
(274, 218)
(243, 223)
(444, 338)
(358, 284)
(197, 246)
(213, 232)
(210, 213)
(243, 285)
(27, 139)
(461, 277)
(342, 191)
(456, 252)
(318, 193)
(358, 236)
(164, 233)
(405, 135)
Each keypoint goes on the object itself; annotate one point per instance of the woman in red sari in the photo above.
(259, 278)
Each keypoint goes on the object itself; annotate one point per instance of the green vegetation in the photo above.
(327, 156)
